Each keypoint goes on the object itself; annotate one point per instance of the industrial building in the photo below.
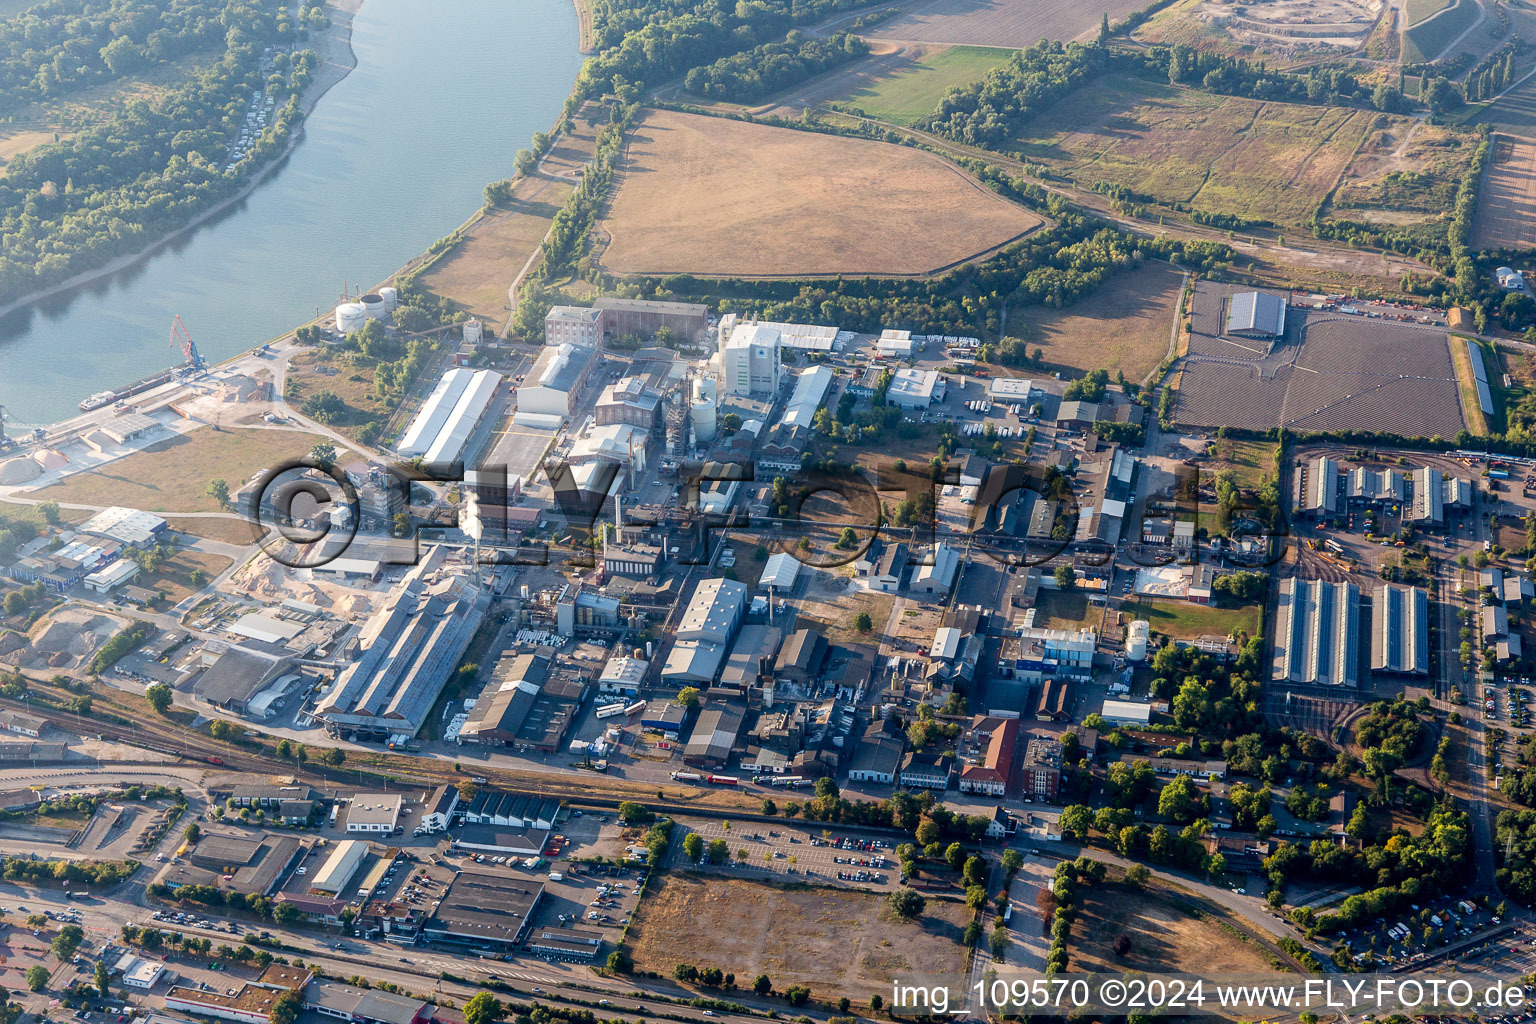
(877, 754)
(915, 389)
(485, 910)
(705, 628)
(687, 320)
(127, 526)
(409, 648)
(449, 417)
(242, 673)
(894, 344)
(926, 769)
(345, 858)
(1256, 315)
(1400, 631)
(937, 575)
(374, 812)
(573, 325)
(785, 443)
(1126, 712)
(553, 384)
(713, 737)
(750, 362)
(511, 810)
(629, 400)
(1040, 774)
(1317, 636)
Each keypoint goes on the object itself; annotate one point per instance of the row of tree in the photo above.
(763, 70)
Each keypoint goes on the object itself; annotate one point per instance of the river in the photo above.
(393, 157)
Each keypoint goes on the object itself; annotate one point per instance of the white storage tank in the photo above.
(391, 297)
(703, 413)
(350, 316)
(373, 305)
(1136, 640)
(471, 332)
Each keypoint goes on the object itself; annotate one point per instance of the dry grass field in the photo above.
(717, 197)
(838, 942)
(478, 272)
(16, 141)
(174, 576)
(173, 475)
(1506, 209)
(1125, 325)
(1223, 154)
(229, 531)
(1164, 937)
(1184, 620)
(1011, 23)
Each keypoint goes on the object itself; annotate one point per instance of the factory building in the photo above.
(127, 526)
(1428, 506)
(750, 360)
(915, 389)
(409, 648)
(549, 392)
(629, 401)
(704, 631)
(687, 320)
(787, 441)
(1318, 633)
(448, 418)
(573, 325)
(1400, 631)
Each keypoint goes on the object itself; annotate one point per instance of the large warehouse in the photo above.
(550, 390)
(1400, 631)
(409, 649)
(1256, 314)
(449, 416)
(1317, 639)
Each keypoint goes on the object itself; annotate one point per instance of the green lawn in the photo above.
(912, 93)
(1184, 620)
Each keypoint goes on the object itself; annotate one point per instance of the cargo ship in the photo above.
(98, 400)
(102, 398)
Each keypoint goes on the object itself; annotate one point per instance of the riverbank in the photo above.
(336, 61)
(584, 43)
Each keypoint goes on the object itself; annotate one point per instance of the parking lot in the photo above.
(789, 853)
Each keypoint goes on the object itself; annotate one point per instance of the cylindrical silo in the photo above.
(703, 412)
(1136, 640)
(350, 316)
(391, 297)
(373, 305)
(472, 332)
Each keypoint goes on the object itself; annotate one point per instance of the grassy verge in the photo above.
(1184, 620)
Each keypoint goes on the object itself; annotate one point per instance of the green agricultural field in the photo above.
(1212, 153)
(912, 91)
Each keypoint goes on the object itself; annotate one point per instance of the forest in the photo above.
(59, 46)
(146, 169)
(993, 110)
(764, 70)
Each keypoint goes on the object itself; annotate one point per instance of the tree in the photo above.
(619, 962)
(686, 973)
(955, 856)
(1137, 875)
(218, 490)
(335, 757)
(103, 983)
(324, 454)
(37, 977)
(719, 851)
(762, 985)
(631, 813)
(1066, 577)
(927, 832)
(847, 539)
(906, 903)
(863, 623)
(693, 846)
(49, 510)
(483, 1008)
(67, 941)
(159, 697)
(467, 790)
(286, 913)
(688, 697)
(192, 832)
(15, 604)
(769, 807)
(286, 1008)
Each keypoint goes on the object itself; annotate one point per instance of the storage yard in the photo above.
(1286, 28)
(1332, 371)
(717, 197)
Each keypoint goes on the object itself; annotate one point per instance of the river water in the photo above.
(393, 157)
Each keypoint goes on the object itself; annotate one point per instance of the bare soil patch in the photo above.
(719, 197)
(836, 941)
(1010, 23)
(1125, 325)
(1506, 211)
(1164, 936)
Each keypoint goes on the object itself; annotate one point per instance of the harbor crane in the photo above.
(181, 338)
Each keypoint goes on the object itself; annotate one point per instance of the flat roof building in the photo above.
(714, 611)
(915, 389)
(549, 392)
(573, 325)
(374, 812)
(713, 737)
(481, 910)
